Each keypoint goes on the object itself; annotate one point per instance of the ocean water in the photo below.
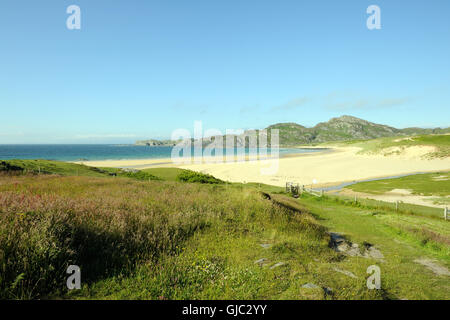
(85, 152)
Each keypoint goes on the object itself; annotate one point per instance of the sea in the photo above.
(98, 152)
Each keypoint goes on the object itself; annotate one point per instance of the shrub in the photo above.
(139, 175)
(197, 177)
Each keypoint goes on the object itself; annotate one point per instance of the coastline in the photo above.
(333, 166)
(167, 162)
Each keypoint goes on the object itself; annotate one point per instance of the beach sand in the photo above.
(327, 168)
(320, 169)
(132, 163)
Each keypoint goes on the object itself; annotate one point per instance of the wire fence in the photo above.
(296, 190)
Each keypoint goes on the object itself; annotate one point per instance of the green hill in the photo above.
(344, 128)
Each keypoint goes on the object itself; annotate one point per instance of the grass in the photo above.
(49, 222)
(69, 169)
(385, 145)
(403, 208)
(167, 174)
(429, 184)
(172, 240)
(197, 177)
(402, 239)
(51, 167)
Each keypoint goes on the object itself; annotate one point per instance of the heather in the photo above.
(156, 239)
(105, 225)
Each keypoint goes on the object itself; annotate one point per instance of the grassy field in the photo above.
(167, 174)
(402, 238)
(429, 184)
(68, 169)
(178, 240)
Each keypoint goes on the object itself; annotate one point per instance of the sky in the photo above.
(141, 69)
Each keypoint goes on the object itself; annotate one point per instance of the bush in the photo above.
(139, 175)
(197, 177)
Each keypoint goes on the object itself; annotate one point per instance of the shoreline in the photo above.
(330, 167)
(145, 163)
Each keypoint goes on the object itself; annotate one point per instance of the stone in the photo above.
(310, 286)
(433, 266)
(278, 264)
(328, 290)
(260, 261)
(374, 253)
(347, 273)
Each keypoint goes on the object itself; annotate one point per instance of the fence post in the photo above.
(321, 193)
(356, 199)
(396, 205)
(445, 213)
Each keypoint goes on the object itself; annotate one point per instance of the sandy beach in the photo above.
(320, 169)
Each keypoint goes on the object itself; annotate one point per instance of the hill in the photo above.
(156, 143)
(336, 129)
(344, 128)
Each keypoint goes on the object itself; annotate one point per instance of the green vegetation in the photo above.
(156, 239)
(344, 128)
(337, 129)
(403, 208)
(402, 238)
(396, 145)
(51, 167)
(167, 174)
(429, 184)
(197, 177)
(69, 169)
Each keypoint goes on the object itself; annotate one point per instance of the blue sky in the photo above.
(140, 69)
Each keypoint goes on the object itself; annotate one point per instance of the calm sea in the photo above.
(85, 152)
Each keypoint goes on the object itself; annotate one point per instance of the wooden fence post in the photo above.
(396, 205)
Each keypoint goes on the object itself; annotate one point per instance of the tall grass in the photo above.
(106, 226)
